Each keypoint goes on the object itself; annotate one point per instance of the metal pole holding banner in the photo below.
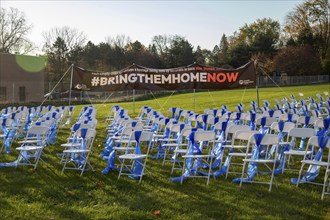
(194, 100)
(133, 101)
(257, 90)
(70, 85)
(256, 65)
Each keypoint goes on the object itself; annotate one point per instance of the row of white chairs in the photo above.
(149, 116)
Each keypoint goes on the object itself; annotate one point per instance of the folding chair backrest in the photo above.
(236, 116)
(125, 121)
(301, 132)
(91, 133)
(127, 131)
(286, 128)
(218, 125)
(38, 130)
(269, 121)
(243, 135)
(146, 136)
(211, 120)
(176, 127)
(226, 115)
(313, 141)
(135, 124)
(277, 113)
(285, 117)
(186, 131)
(232, 129)
(319, 123)
(204, 135)
(8, 122)
(268, 139)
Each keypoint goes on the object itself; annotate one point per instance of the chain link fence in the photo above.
(266, 81)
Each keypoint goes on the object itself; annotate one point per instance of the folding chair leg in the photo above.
(121, 168)
(326, 177)
(300, 172)
(241, 183)
(272, 178)
(183, 166)
(165, 154)
(283, 166)
(208, 177)
(227, 171)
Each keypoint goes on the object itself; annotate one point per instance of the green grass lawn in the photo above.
(46, 194)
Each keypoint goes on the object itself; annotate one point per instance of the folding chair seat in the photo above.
(261, 144)
(239, 149)
(133, 164)
(76, 157)
(321, 145)
(32, 146)
(295, 145)
(201, 144)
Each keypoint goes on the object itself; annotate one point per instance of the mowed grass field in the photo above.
(46, 194)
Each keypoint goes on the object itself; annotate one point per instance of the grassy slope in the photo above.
(46, 194)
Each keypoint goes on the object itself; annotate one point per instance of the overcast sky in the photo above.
(200, 22)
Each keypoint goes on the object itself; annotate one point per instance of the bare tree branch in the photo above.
(14, 29)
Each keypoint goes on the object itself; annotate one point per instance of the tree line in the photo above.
(300, 46)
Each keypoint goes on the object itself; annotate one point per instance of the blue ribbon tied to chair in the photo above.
(137, 166)
(313, 170)
(253, 166)
(189, 166)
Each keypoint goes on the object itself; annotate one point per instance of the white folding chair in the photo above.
(260, 155)
(326, 184)
(78, 155)
(295, 139)
(182, 149)
(174, 141)
(31, 149)
(133, 164)
(239, 148)
(203, 142)
(320, 145)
